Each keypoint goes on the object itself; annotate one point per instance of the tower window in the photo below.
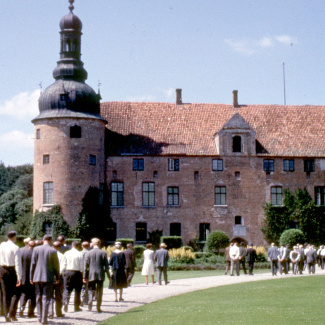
(38, 133)
(75, 131)
(46, 159)
(48, 193)
(236, 143)
(92, 160)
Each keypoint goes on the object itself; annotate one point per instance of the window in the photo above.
(175, 229)
(155, 174)
(138, 164)
(237, 175)
(236, 143)
(114, 174)
(111, 232)
(238, 220)
(75, 131)
(269, 165)
(196, 175)
(173, 164)
(48, 193)
(220, 195)
(276, 195)
(148, 194)
(92, 160)
(172, 196)
(320, 195)
(48, 228)
(288, 165)
(117, 194)
(309, 165)
(204, 231)
(38, 133)
(217, 164)
(140, 231)
(46, 159)
(101, 193)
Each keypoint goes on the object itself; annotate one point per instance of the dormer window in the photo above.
(236, 143)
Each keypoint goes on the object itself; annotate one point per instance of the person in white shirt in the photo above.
(58, 286)
(10, 273)
(234, 256)
(295, 258)
(73, 276)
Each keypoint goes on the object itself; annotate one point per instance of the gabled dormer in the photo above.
(236, 137)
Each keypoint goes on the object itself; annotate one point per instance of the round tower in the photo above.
(69, 152)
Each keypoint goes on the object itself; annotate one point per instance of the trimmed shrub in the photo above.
(172, 241)
(216, 240)
(138, 251)
(291, 237)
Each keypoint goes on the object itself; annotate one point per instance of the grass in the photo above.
(297, 301)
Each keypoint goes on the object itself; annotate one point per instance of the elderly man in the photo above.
(234, 256)
(96, 267)
(44, 272)
(10, 274)
(84, 289)
(161, 259)
(273, 254)
(295, 258)
(129, 263)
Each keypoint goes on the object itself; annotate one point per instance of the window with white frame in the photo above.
(217, 164)
(48, 193)
(172, 195)
(148, 194)
(276, 195)
(288, 165)
(117, 194)
(173, 164)
(220, 195)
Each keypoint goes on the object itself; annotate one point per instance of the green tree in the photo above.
(291, 237)
(216, 240)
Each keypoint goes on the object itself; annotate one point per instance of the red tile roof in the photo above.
(189, 128)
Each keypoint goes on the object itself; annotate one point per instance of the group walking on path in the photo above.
(140, 294)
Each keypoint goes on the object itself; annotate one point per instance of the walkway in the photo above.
(140, 294)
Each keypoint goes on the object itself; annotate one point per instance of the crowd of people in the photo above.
(45, 273)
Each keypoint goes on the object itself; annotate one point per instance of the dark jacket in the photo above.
(251, 255)
(161, 257)
(129, 258)
(96, 265)
(45, 264)
(26, 259)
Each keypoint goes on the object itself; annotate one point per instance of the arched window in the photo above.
(236, 143)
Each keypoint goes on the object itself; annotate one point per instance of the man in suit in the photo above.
(161, 259)
(283, 258)
(242, 256)
(27, 291)
(295, 257)
(64, 247)
(129, 263)
(96, 267)
(10, 274)
(251, 256)
(273, 254)
(44, 272)
(311, 256)
(301, 252)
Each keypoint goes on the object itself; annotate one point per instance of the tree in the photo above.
(291, 237)
(216, 240)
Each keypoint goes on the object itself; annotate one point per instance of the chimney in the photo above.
(179, 96)
(235, 98)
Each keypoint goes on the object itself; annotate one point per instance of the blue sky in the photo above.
(141, 50)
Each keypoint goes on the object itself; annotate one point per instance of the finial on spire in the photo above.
(71, 7)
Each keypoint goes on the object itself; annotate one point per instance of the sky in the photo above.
(142, 50)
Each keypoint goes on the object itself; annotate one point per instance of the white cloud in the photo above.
(23, 105)
(266, 42)
(286, 39)
(250, 46)
(168, 93)
(241, 46)
(16, 139)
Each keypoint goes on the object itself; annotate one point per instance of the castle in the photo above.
(184, 168)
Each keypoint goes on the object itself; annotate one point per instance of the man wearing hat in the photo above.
(161, 259)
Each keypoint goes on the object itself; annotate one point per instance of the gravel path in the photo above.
(140, 294)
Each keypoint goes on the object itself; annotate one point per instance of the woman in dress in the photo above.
(118, 279)
(148, 264)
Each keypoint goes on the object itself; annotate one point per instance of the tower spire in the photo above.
(71, 7)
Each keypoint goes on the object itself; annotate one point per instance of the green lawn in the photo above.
(296, 301)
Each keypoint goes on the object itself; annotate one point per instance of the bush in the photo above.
(261, 254)
(291, 237)
(181, 255)
(172, 241)
(216, 240)
(125, 241)
(138, 251)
